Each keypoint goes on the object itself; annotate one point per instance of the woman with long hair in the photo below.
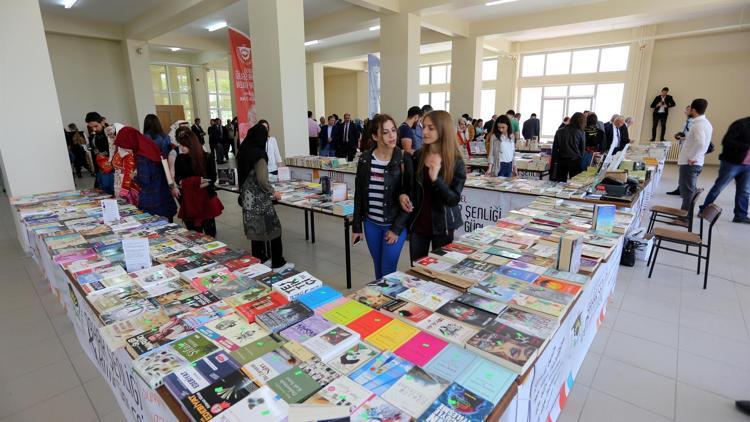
(502, 148)
(272, 150)
(463, 137)
(568, 148)
(195, 174)
(256, 197)
(377, 186)
(434, 179)
(153, 130)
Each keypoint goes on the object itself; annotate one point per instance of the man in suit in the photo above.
(198, 130)
(346, 137)
(215, 140)
(531, 127)
(616, 133)
(326, 138)
(661, 105)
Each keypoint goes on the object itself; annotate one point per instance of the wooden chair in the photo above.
(710, 214)
(658, 211)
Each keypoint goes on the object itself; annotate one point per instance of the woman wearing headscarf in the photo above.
(148, 178)
(256, 197)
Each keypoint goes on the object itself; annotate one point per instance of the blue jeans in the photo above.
(506, 169)
(384, 256)
(327, 151)
(741, 174)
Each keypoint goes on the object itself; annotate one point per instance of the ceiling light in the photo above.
(495, 3)
(313, 42)
(216, 26)
(175, 48)
(69, 3)
(375, 28)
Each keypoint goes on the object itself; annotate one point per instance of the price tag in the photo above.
(137, 256)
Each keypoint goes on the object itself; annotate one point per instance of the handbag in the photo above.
(628, 253)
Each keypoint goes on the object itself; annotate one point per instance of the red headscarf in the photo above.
(130, 138)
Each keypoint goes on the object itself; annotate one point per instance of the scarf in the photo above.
(130, 138)
(252, 149)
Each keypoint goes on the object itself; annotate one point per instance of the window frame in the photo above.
(214, 112)
(175, 91)
(572, 52)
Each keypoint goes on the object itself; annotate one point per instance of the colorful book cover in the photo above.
(252, 309)
(148, 340)
(604, 218)
(422, 298)
(558, 285)
(458, 404)
(414, 392)
(432, 265)
(297, 285)
(421, 348)
(115, 334)
(240, 262)
(536, 325)
(346, 313)
(409, 312)
(447, 329)
(294, 385)
(345, 392)
(492, 306)
(510, 347)
(319, 297)
(306, 329)
(231, 332)
(200, 316)
(210, 401)
(253, 271)
(371, 297)
(199, 375)
(466, 314)
(379, 410)
(392, 335)
(451, 362)
(556, 296)
(352, 358)
(262, 405)
(332, 342)
(393, 284)
(267, 367)
(194, 346)
(381, 372)
(247, 296)
(525, 266)
(231, 287)
(217, 276)
(154, 366)
(321, 310)
(256, 349)
(284, 316)
(516, 273)
(369, 323)
(489, 380)
(269, 279)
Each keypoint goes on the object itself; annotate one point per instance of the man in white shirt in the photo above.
(693, 152)
(313, 130)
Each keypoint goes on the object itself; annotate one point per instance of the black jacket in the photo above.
(608, 136)
(215, 135)
(594, 137)
(569, 144)
(668, 100)
(446, 213)
(353, 134)
(324, 138)
(530, 128)
(736, 142)
(393, 184)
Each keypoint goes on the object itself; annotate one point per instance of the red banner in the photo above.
(242, 73)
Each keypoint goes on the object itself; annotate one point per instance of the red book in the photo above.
(369, 323)
(421, 348)
(241, 262)
(558, 285)
(252, 309)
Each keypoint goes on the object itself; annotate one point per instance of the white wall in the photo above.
(346, 93)
(90, 75)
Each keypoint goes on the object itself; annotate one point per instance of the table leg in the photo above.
(312, 226)
(348, 255)
(307, 235)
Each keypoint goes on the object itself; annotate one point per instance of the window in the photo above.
(219, 94)
(439, 100)
(585, 61)
(581, 91)
(608, 100)
(557, 64)
(439, 74)
(614, 59)
(533, 65)
(487, 104)
(424, 98)
(576, 62)
(530, 101)
(171, 86)
(424, 75)
(489, 70)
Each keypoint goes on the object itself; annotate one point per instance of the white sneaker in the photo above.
(267, 263)
(285, 267)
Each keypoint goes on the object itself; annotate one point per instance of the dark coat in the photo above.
(530, 128)
(569, 144)
(608, 136)
(392, 212)
(668, 100)
(736, 142)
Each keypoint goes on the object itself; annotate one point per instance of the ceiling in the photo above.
(480, 12)
(103, 11)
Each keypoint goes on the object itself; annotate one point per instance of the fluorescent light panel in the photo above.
(216, 26)
(175, 48)
(497, 2)
(69, 3)
(313, 42)
(375, 28)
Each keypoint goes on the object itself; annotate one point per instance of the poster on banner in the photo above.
(242, 75)
(373, 77)
(480, 207)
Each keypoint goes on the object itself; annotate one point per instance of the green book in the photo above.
(194, 346)
(294, 385)
(256, 349)
(346, 313)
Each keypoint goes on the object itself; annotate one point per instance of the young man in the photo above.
(735, 164)
(680, 138)
(531, 127)
(661, 105)
(513, 121)
(313, 131)
(215, 140)
(693, 152)
(198, 130)
(406, 131)
(417, 141)
(326, 138)
(346, 138)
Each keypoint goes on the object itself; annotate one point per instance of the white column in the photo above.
(400, 38)
(277, 38)
(141, 91)
(363, 94)
(506, 84)
(200, 94)
(466, 75)
(316, 90)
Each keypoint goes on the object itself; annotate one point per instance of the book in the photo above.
(269, 279)
(558, 285)
(319, 297)
(466, 314)
(394, 283)
(487, 379)
(202, 373)
(194, 346)
(379, 410)
(421, 348)
(143, 342)
(506, 346)
(447, 329)
(369, 323)
(252, 309)
(270, 365)
(556, 296)
(346, 313)
(392, 335)
(232, 332)
(604, 218)
(423, 298)
(536, 325)
(149, 277)
(569, 253)
(352, 358)
(297, 285)
(371, 297)
(429, 265)
(381, 372)
(294, 385)
(525, 266)
(414, 392)
(201, 316)
(256, 349)
(253, 271)
(516, 273)
(318, 409)
(116, 333)
(106, 283)
(332, 342)
(306, 329)
(283, 317)
(451, 362)
(567, 276)
(203, 282)
(323, 309)
(154, 366)
(482, 303)
(452, 252)
(262, 405)
(208, 402)
(538, 305)
(344, 392)
(457, 404)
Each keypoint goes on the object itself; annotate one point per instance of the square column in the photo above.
(141, 92)
(505, 95)
(466, 75)
(400, 38)
(316, 90)
(277, 36)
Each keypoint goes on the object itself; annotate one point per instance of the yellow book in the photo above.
(392, 335)
(346, 313)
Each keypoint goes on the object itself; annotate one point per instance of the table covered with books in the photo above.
(493, 327)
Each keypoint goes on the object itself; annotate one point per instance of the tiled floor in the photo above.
(667, 351)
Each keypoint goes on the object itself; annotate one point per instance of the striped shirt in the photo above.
(376, 189)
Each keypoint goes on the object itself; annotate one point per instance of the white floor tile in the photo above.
(588, 369)
(101, 396)
(574, 404)
(70, 406)
(733, 327)
(696, 405)
(642, 353)
(719, 378)
(655, 330)
(715, 347)
(603, 407)
(36, 386)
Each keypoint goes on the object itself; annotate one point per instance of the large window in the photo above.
(438, 100)
(487, 104)
(435, 74)
(219, 94)
(591, 60)
(489, 70)
(552, 103)
(171, 86)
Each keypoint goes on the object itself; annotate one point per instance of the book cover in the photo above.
(569, 253)
(393, 284)
(218, 275)
(194, 346)
(207, 403)
(149, 277)
(247, 296)
(262, 405)
(414, 392)
(369, 323)
(487, 379)
(408, 312)
(298, 351)
(232, 331)
(371, 297)
(158, 336)
(466, 314)
(256, 349)
(154, 366)
(283, 317)
(202, 373)
(252, 309)
(229, 287)
(381, 372)
(451, 362)
(321, 310)
(379, 410)
(432, 265)
(447, 329)
(423, 298)
(253, 271)
(200, 316)
(506, 345)
(392, 335)
(332, 342)
(567, 276)
(294, 385)
(269, 366)
(242, 261)
(525, 266)
(556, 296)
(492, 306)
(447, 255)
(107, 283)
(319, 297)
(538, 305)
(458, 404)
(345, 392)
(346, 313)
(536, 325)
(604, 218)
(306, 329)
(116, 333)
(558, 285)
(352, 358)
(297, 285)
(421, 348)
(516, 273)
(269, 279)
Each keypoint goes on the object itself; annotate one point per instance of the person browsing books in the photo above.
(433, 181)
(195, 174)
(502, 148)
(378, 216)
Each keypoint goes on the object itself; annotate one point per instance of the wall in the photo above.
(346, 93)
(714, 67)
(90, 75)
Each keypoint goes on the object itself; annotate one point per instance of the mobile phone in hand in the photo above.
(356, 242)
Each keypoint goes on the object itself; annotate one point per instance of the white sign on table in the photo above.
(110, 211)
(137, 254)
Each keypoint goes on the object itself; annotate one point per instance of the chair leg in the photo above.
(708, 257)
(700, 256)
(651, 254)
(653, 264)
(651, 222)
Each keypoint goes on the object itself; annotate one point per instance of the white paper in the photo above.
(339, 192)
(137, 256)
(110, 210)
(284, 174)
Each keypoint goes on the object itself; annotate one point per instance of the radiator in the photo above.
(673, 152)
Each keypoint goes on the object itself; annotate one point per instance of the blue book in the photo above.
(381, 372)
(604, 218)
(204, 372)
(517, 273)
(458, 404)
(451, 362)
(487, 379)
(319, 297)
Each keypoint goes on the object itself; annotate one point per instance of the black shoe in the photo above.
(743, 406)
(744, 220)
(675, 192)
(651, 140)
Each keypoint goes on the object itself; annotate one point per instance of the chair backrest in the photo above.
(711, 213)
(694, 199)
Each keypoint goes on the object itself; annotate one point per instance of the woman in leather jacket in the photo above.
(378, 185)
(433, 181)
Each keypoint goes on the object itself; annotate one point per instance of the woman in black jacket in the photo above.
(377, 187)
(568, 148)
(434, 179)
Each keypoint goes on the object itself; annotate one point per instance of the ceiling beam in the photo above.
(171, 15)
(446, 24)
(383, 6)
(362, 48)
(191, 42)
(341, 22)
(70, 25)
